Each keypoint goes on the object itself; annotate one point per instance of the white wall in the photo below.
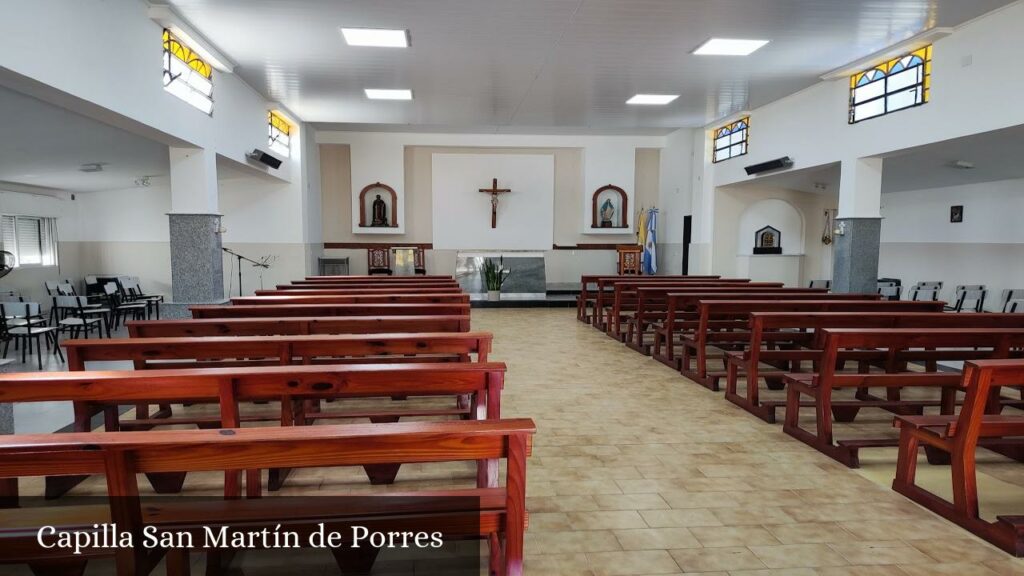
(525, 216)
(811, 126)
(123, 79)
(919, 243)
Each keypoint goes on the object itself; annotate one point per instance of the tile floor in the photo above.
(637, 471)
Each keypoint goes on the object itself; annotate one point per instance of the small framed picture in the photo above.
(956, 214)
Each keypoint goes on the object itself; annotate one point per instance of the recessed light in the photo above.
(377, 94)
(378, 37)
(729, 47)
(652, 99)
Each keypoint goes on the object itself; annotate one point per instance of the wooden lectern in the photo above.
(630, 259)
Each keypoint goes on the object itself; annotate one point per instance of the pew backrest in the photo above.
(293, 326)
(303, 310)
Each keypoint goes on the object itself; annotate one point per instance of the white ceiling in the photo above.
(515, 65)
(44, 146)
(996, 156)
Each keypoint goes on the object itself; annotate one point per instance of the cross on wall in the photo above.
(494, 191)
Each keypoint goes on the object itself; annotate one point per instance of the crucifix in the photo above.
(494, 191)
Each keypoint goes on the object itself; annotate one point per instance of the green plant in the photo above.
(495, 273)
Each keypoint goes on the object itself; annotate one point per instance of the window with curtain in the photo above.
(32, 239)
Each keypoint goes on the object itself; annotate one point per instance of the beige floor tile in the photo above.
(798, 556)
(959, 569)
(711, 559)
(630, 502)
(868, 553)
(679, 518)
(656, 539)
(726, 536)
(810, 533)
(557, 565)
(751, 516)
(570, 542)
(605, 520)
(958, 550)
(634, 562)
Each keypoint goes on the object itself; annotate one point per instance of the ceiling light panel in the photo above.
(652, 99)
(729, 47)
(377, 37)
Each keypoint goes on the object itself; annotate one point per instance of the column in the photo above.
(197, 264)
(855, 254)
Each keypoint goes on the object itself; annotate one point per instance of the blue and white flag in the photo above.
(651, 242)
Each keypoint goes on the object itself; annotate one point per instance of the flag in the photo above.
(651, 242)
(641, 223)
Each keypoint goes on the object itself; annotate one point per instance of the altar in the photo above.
(527, 281)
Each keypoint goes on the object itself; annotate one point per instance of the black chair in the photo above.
(826, 284)
(135, 294)
(78, 317)
(29, 326)
(974, 294)
(121, 309)
(1013, 300)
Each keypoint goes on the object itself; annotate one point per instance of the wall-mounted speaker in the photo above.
(777, 164)
(262, 157)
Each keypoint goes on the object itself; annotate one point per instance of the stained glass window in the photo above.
(186, 74)
(280, 134)
(731, 141)
(900, 83)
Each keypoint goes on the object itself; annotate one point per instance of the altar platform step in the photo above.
(558, 299)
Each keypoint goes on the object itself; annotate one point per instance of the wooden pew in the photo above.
(624, 297)
(495, 513)
(650, 305)
(405, 280)
(682, 317)
(606, 286)
(315, 291)
(588, 296)
(305, 310)
(365, 285)
(957, 438)
(795, 328)
(292, 326)
(378, 278)
(351, 299)
(895, 348)
(725, 324)
(297, 387)
(216, 352)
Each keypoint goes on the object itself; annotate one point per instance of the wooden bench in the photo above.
(957, 438)
(305, 310)
(724, 324)
(894, 348)
(298, 388)
(606, 286)
(651, 307)
(488, 512)
(795, 329)
(229, 351)
(588, 295)
(316, 291)
(378, 278)
(682, 317)
(291, 326)
(351, 299)
(624, 297)
(365, 285)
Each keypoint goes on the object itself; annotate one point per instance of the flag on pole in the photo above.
(641, 226)
(651, 242)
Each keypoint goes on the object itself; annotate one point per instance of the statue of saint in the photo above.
(380, 212)
(607, 212)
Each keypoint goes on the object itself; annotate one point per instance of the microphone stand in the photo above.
(240, 258)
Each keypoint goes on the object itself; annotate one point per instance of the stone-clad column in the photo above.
(855, 260)
(197, 263)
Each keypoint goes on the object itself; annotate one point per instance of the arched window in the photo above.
(731, 141)
(900, 83)
(186, 74)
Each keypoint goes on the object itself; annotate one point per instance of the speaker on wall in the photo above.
(777, 164)
(262, 157)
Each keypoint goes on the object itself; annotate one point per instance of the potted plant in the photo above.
(495, 275)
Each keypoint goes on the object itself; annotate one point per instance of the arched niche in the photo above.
(368, 196)
(784, 219)
(617, 200)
